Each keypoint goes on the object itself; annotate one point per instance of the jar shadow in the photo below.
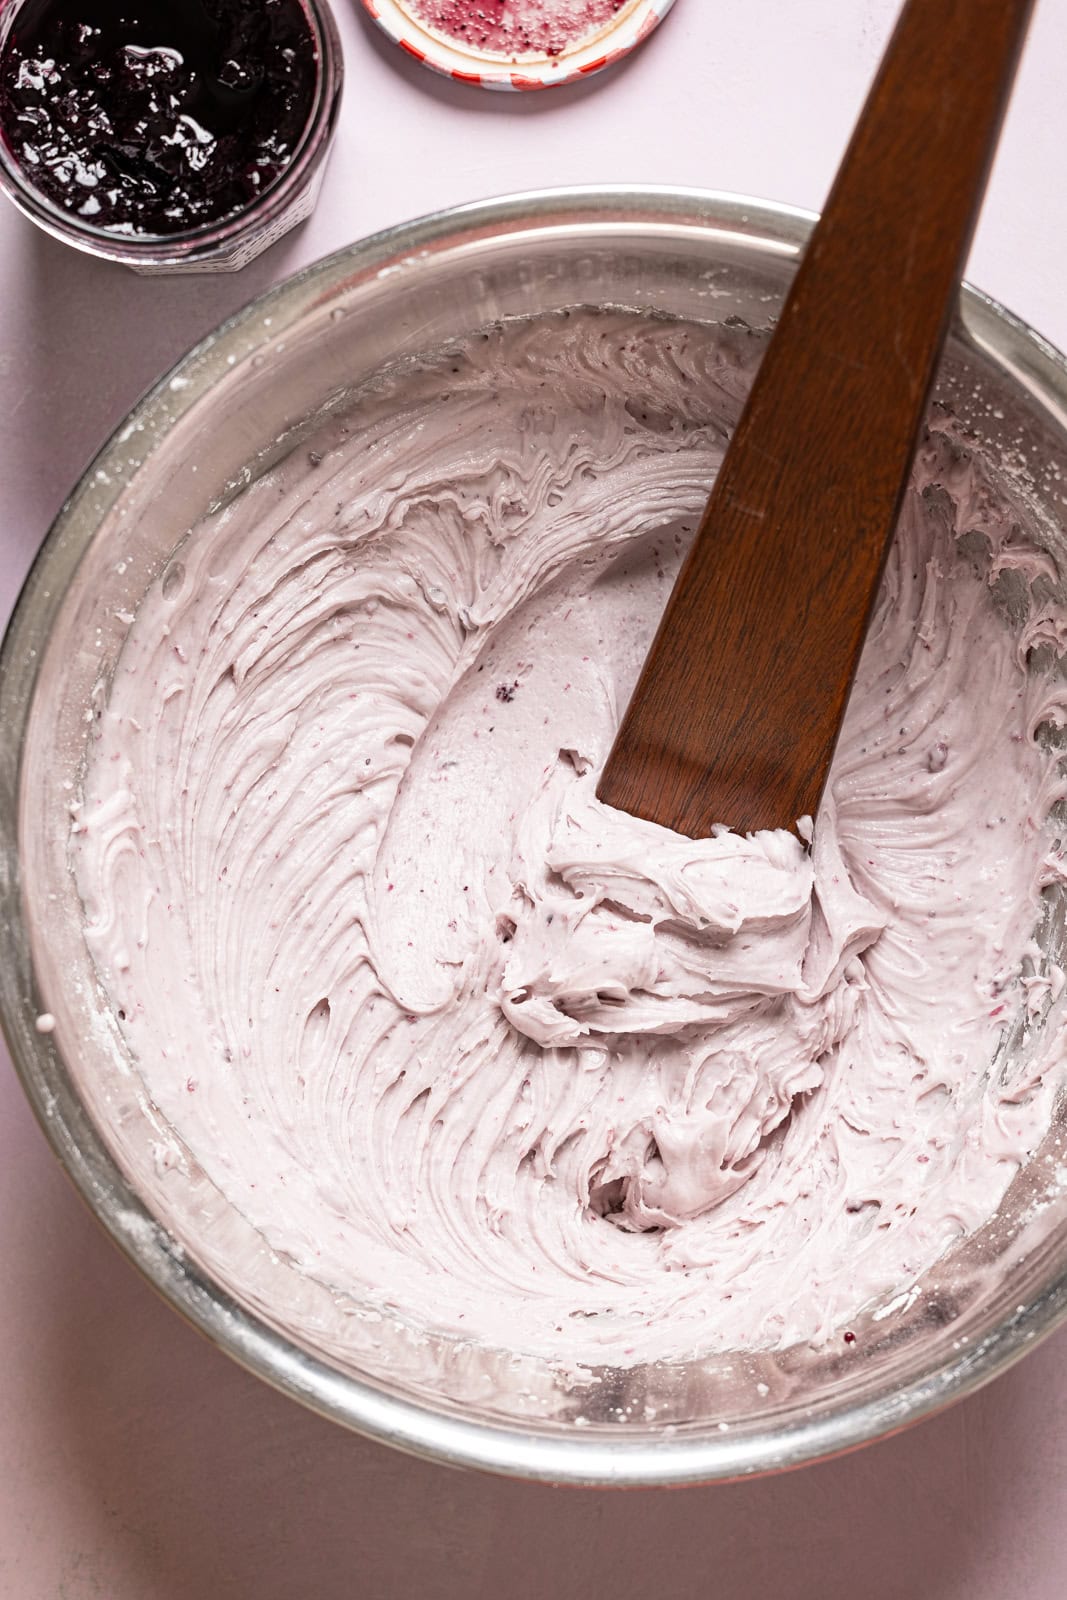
(95, 337)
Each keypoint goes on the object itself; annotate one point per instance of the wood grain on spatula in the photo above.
(738, 708)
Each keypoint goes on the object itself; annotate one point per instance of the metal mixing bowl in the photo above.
(205, 430)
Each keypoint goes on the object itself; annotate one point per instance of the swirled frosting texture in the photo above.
(464, 1043)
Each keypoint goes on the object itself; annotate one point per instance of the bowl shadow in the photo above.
(198, 1480)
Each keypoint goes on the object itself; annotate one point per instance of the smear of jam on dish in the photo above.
(517, 27)
(149, 117)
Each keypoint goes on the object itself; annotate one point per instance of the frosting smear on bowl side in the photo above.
(465, 1043)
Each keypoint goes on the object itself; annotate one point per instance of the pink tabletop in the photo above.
(138, 1463)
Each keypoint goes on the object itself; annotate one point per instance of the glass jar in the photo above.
(235, 240)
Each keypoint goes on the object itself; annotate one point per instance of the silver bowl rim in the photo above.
(590, 1459)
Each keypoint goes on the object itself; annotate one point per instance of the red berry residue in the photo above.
(156, 116)
(517, 27)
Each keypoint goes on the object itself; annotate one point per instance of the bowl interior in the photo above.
(239, 402)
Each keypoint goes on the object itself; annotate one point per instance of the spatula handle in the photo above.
(787, 559)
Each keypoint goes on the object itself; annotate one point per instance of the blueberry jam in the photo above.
(149, 117)
(517, 27)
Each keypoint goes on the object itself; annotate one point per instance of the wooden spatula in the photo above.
(738, 708)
